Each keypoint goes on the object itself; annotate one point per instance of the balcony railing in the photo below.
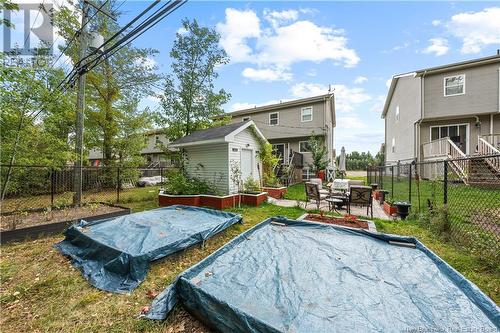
(493, 140)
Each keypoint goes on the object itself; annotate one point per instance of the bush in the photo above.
(251, 185)
(178, 183)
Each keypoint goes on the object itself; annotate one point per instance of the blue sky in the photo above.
(285, 50)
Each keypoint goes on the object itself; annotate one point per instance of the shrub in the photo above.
(269, 164)
(178, 183)
(251, 185)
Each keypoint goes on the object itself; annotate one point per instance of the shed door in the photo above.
(246, 164)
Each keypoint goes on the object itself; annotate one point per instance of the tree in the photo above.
(319, 153)
(112, 87)
(189, 101)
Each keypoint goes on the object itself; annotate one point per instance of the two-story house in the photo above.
(289, 125)
(448, 111)
(153, 152)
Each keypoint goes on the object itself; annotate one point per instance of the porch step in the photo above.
(482, 174)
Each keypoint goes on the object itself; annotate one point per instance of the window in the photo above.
(393, 147)
(457, 133)
(397, 112)
(304, 147)
(157, 140)
(454, 85)
(245, 118)
(274, 119)
(306, 174)
(306, 114)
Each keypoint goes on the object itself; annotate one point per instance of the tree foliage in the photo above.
(190, 101)
(319, 153)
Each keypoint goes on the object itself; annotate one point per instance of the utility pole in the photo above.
(80, 107)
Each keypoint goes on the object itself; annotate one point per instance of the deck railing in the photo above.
(492, 139)
(446, 148)
(485, 148)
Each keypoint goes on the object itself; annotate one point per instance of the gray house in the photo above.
(215, 153)
(448, 111)
(288, 126)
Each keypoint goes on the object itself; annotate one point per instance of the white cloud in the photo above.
(476, 29)
(437, 46)
(287, 40)
(360, 79)
(350, 122)
(243, 105)
(277, 18)
(436, 23)
(311, 72)
(267, 74)
(239, 26)
(346, 98)
(378, 104)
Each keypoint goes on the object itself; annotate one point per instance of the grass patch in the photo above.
(41, 291)
(296, 192)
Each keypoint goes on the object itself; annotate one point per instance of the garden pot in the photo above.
(381, 196)
(253, 199)
(321, 174)
(275, 192)
(389, 209)
(403, 209)
(165, 200)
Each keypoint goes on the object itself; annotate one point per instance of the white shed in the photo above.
(211, 153)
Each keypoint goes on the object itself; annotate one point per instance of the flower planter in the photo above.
(321, 174)
(253, 199)
(165, 200)
(275, 192)
(403, 208)
(389, 209)
(212, 201)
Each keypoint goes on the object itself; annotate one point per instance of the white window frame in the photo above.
(393, 145)
(467, 126)
(302, 114)
(245, 118)
(277, 118)
(397, 113)
(300, 150)
(444, 85)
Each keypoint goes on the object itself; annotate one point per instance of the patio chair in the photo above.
(361, 196)
(319, 182)
(313, 193)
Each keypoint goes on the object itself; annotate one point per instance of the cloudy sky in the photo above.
(285, 50)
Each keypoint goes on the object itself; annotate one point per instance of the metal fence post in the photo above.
(445, 183)
(392, 182)
(409, 185)
(118, 185)
(381, 178)
(368, 174)
(161, 175)
(52, 187)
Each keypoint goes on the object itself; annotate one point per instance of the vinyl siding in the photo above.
(290, 124)
(407, 97)
(481, 93)
(210, 163)
(244, 140)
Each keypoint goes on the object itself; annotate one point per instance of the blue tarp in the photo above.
(292, 276)
(114, 254)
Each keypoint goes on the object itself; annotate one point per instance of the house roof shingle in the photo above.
(209, 133)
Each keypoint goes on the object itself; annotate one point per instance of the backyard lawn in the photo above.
(41, 291)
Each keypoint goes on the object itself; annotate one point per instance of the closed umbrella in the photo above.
(342, 167)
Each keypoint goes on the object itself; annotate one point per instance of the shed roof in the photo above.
(215, 134)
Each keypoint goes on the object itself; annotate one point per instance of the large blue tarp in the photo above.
(114, 254)
(292, 276)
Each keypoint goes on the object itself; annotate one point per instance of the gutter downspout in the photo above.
(422, 113)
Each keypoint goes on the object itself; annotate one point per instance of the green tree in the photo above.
(190, 101)
(319, 153)
(112, 87)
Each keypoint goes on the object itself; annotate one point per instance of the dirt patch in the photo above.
(29, 219)
(345, 222)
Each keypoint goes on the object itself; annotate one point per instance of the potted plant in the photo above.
(403, 208)
(319, 155)
(251, 193)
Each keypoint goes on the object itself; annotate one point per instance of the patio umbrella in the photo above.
(342, 168)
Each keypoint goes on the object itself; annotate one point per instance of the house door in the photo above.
(457, 133)
(279, 151)
(246, 164)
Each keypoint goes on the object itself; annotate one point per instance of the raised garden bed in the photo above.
(212, 201)
(349, 221)
(275, 192)
(389, 209)
(19, 226)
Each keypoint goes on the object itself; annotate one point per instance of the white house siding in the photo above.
(246, 140)
(209, 162)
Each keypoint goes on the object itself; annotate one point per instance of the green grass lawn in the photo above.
(41, 291)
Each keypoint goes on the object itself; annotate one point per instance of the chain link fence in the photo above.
(457, 198)
(26, 190)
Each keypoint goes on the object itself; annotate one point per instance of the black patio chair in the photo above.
(313, 194)
(361, 196)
